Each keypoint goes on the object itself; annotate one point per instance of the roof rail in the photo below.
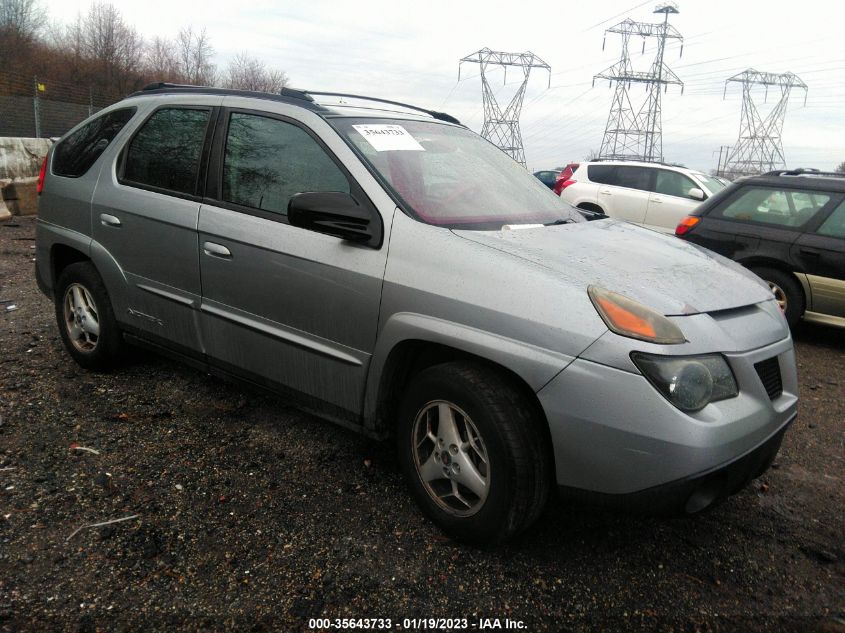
(441, 116)
(285, 94)
(805, 171)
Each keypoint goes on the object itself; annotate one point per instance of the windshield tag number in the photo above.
(387, 138)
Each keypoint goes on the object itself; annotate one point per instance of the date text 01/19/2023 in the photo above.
(417, 624)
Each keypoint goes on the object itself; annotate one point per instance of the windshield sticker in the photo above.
(387, 138)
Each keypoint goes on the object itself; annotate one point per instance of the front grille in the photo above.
(769, 372)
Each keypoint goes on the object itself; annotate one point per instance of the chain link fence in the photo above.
(41, 108)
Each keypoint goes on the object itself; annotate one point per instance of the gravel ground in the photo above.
(252, 515)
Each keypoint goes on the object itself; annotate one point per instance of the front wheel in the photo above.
(473, 453)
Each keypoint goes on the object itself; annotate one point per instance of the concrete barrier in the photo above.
(20, 161)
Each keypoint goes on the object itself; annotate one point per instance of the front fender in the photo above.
(535, 365)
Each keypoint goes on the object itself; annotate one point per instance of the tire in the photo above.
(494, 421)
(787, 291)
(80, 300)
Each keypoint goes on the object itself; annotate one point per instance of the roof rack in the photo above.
(285, 94)
(441, 116)
(805, 171)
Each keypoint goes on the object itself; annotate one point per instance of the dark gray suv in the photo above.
(346, 254)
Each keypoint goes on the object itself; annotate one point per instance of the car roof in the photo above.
(643, 163)
(344, 105)
(798, 178)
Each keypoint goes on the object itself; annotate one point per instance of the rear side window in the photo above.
(602, 174)
(787, 208)
(268, 161)
(165, 153)
(834, 226)
(74, 155)
(632, 177)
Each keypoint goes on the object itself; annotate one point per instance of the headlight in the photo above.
(690, 383)
(632, 319)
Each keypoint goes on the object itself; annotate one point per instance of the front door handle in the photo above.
(810, 252)
(657, 200)
(216, 250)
(109, 220)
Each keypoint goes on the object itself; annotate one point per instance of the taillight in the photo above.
(687, 224)
(41, 174)
(560, 185)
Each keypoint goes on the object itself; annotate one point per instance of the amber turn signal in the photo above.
(629, 318)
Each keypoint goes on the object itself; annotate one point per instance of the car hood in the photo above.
(664, 273)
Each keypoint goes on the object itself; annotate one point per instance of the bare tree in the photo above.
(194, 53)
(20, 24)
(21, 19)
(112, 48)
(249, 73)
(161, 62)
(841, 167)
(592, 155)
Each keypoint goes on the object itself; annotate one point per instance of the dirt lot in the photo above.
(252, 515)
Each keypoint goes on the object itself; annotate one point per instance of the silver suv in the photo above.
(394, 272)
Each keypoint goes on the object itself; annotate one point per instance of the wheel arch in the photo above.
(62, 256)
(591, 206)
(411, 356)
(768, 262)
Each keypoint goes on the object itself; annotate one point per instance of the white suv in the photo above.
(654, 195)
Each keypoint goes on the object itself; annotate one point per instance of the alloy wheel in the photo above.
(451, 458)
(81, 318)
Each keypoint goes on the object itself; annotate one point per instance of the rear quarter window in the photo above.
(602, 174)
(786, 208)
(75, 155)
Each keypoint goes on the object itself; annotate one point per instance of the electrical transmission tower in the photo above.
(634, 132)
(502, 127)
(759, 148)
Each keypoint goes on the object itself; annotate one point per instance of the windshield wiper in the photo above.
(556, 222)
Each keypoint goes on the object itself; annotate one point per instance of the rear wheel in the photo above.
(473, 453)
(85, 318)
(787, 291)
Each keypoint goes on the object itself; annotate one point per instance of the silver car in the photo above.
(390, 270)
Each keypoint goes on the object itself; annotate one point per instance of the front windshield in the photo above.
(451, 177)
(713, 184)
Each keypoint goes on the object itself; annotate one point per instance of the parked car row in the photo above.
(787, 226)
(347, 257)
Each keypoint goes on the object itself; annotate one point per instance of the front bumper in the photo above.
(691, 494)
(614, 434)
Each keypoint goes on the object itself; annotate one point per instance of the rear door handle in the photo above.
(109, 220)
(606, 192)
(810, 252)
(216, 250)
(657, 200)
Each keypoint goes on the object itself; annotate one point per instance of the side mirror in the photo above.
(335, 213)
(696, 194)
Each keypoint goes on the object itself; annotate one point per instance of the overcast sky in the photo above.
(409, 51)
